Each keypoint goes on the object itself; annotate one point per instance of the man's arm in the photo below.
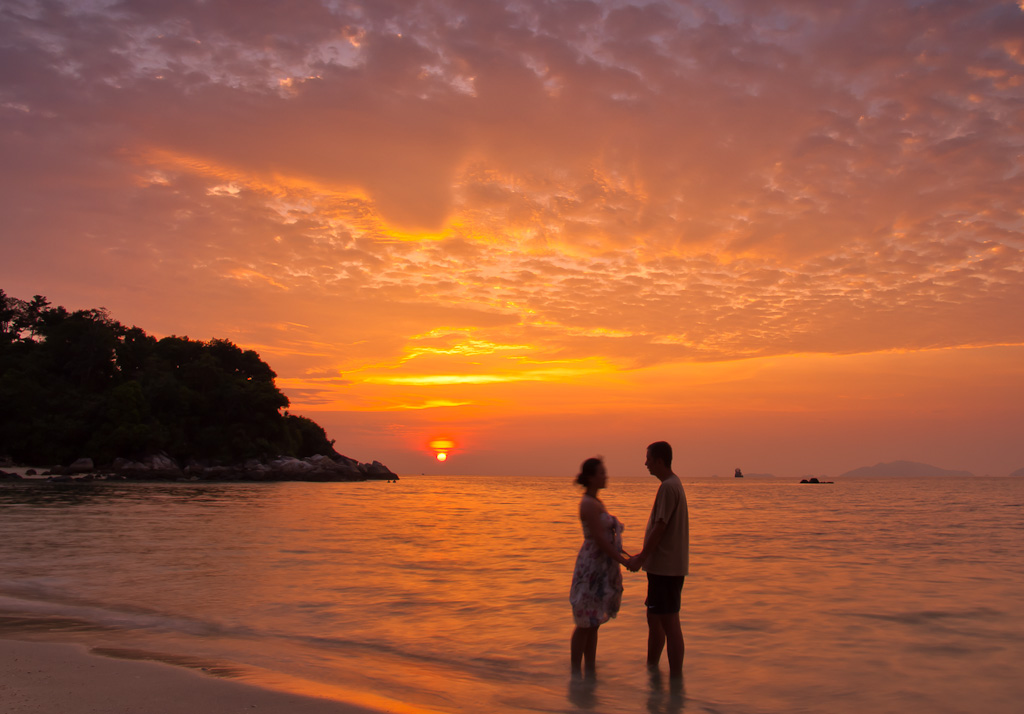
(666, 503)
(650, 545)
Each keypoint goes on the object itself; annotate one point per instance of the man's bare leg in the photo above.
(674, 644)
(655, 639)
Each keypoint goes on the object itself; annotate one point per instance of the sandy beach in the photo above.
(46, 678)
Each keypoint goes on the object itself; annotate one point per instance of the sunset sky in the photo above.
(785, 236)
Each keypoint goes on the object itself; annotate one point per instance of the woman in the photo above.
(596, 591)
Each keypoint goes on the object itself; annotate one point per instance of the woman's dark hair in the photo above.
(588, 469)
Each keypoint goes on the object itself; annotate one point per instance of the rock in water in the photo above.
(81, 466)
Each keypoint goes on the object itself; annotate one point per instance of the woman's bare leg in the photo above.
(578, 644)
(590, 652)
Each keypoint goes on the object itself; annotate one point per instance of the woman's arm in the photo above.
(590, 513)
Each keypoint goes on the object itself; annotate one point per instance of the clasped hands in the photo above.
(633, 562)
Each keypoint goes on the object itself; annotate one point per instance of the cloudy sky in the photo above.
(784, 236)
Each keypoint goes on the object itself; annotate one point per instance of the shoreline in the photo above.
(218, 475)
(55, 678)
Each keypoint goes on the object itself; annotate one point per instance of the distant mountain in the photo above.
(1018, 472)
(903, 469)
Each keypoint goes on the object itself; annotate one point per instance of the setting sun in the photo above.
(442, 447)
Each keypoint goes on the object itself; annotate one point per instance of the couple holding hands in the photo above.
(596, 592)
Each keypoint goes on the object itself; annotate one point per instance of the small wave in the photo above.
(225, 670)
(18, 624)
(927, 616)
(67, 614)
(508, 668)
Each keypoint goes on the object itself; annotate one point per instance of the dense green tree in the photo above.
(305, 436)
(82, 384)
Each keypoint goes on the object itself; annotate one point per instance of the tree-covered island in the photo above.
(80, 384)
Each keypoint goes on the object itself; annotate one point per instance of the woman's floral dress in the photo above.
(596, 591)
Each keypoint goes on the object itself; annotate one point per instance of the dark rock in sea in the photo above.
(813, 479)
(30, 472)
(156, 467)
(161, 467)
(81, 466)
(319, 468)
(375, 469)
(323, 468)
(4, 476)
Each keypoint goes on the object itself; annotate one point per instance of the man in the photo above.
(666, 558)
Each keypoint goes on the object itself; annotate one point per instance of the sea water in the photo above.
(450, 594)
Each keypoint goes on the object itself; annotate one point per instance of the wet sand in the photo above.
(47, 678)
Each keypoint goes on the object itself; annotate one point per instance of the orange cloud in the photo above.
(490, 209)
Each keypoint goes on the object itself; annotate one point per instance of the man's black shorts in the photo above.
(664, 593)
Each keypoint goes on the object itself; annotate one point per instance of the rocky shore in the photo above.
(160, 467)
